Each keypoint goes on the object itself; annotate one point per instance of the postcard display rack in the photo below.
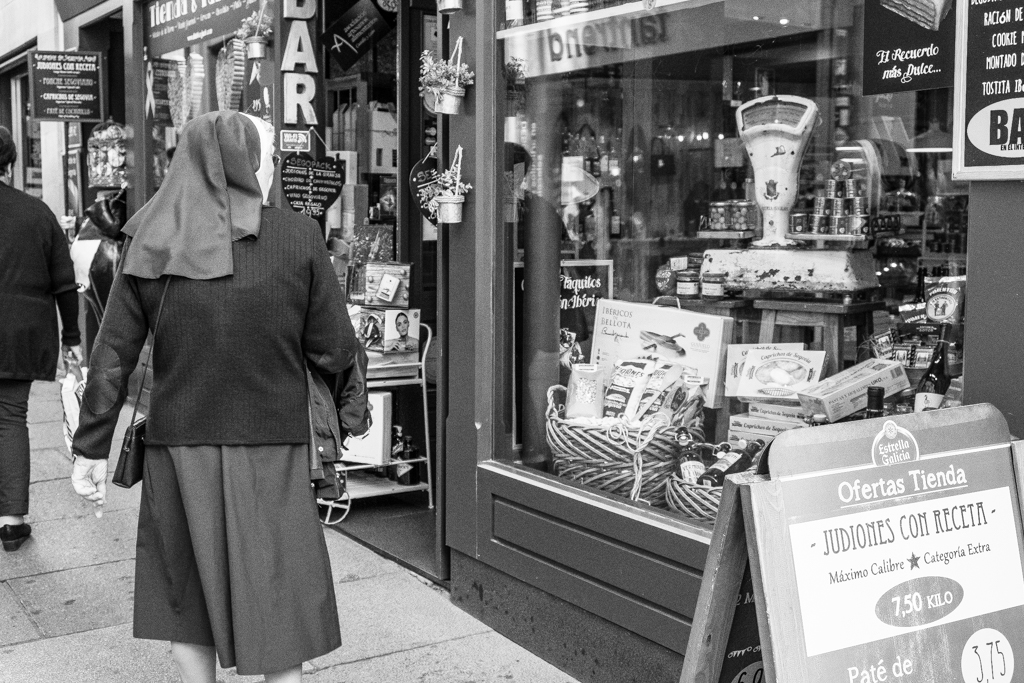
(873, 551)
(361, 485)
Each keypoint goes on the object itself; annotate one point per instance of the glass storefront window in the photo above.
(625, 163)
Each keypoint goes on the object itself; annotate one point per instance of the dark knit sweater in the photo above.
(228, 357)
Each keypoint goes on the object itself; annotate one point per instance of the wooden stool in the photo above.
(740, 310)
(832, 318)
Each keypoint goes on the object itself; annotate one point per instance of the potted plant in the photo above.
(445, 80)
(255, 31)
(444, 197)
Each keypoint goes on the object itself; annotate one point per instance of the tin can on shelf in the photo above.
(831, 188)
(743, 215)
(718, 216)
(713, 286)
(821, 206)
(857, 206)
(859, 225)
(798, 222)
(852, 188)
(818, 224)
(838, 208)
(688, 284)
(838, 225)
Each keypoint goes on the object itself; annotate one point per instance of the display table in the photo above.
(831, 318)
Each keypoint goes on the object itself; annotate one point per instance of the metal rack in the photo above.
(334, 511)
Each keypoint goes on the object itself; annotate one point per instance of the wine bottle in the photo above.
(396, 452)
(876, 402)
(919, 298)
(730, 461)
(408, 474)
(935, 381)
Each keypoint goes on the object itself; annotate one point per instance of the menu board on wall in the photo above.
(65, 86)
(169, 25)
(908, 45)
(312, 185)
(988, 121)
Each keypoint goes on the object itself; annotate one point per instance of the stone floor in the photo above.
(66, 598)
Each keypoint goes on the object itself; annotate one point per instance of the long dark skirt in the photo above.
(231, 554)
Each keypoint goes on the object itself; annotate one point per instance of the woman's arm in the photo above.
(328, 340)
(113, 358)
(62, 284)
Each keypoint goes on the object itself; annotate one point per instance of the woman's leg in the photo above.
(293, 675)
(14, 451)
(196, 663)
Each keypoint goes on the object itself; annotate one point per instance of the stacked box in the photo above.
(846, 393)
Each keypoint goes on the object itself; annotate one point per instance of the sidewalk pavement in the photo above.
(66, 598)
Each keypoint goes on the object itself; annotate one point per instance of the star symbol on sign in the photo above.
(914, 559)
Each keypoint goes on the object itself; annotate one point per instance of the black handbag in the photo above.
(128, 472)
(107, 213)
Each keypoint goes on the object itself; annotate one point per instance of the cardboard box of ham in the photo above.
(773, 376)
(736, 356)
(624, 330)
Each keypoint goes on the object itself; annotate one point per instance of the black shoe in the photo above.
(12, 536)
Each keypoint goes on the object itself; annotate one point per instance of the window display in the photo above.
(719, 154)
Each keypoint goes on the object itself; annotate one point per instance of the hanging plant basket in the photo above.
(449, 101)
(449, 209)
(256, 47)
(449, 6)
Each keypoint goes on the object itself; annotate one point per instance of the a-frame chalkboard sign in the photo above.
(879, 551)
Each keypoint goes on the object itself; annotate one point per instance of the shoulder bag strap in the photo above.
(149, 357)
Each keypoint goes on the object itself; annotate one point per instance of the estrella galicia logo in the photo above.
(701, 332)
(894, 445)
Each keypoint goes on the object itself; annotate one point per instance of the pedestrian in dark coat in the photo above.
(36, 279)
(231, 557)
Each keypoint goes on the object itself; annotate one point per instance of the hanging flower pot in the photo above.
(446, 81)
(449, 209)
(449, 101)
(445, 196)
(256, 47)
(449, 6)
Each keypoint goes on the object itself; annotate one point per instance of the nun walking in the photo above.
(231, 561)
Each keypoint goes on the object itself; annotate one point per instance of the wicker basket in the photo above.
(636, 463)
(693, 500)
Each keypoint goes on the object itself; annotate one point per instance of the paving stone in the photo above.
(391, 613)
(56, 499)
(482, 658)
(44, 410)
(80, 599)
(77, 542)
(15, 624)
(47, 435)
(351, 561)
(109, 655)
(49, 464)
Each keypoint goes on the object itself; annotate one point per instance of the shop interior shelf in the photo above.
(816, 237)
(371, 487)
(944, 258)
(356, 466)
(725, 234)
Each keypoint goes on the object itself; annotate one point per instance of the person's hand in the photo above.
(73, 353)
(89, 477)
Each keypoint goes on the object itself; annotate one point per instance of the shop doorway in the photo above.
(376, 120)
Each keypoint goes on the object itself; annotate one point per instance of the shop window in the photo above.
(630, 190)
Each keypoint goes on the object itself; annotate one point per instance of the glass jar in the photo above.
(718, 216)
(688, 284)
(743, 215)
(713, 286)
